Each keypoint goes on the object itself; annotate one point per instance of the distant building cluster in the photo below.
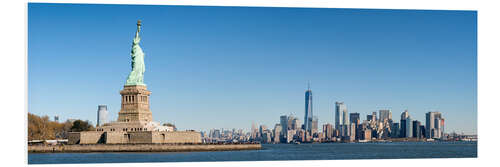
(225, 136)
(348, 127)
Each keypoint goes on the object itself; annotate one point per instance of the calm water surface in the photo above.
(323, 151)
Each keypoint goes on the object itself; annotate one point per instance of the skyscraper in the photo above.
(409, 127)
(352, 132)
(254, 132)
(284, 125)
(308, 117)
(102, 115)
(434, 125)
(422, 131)
(385, 115)
(341, 118)
(295, 123)
(395, 130)
(372, 117)
(404, 123)
(416, 129)
(328, 131)
(314, 126)
(277, 133)
(354, 118)
(290, 122)
(262, 128)
(441, 127)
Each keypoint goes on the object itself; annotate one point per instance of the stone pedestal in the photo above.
(135, 104)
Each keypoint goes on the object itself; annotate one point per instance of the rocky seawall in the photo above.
(140, 147)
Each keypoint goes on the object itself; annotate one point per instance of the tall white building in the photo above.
(409, 127)
(102, 115)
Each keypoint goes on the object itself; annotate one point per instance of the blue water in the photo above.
(324, 151)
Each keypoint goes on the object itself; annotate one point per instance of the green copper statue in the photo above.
(136, 76)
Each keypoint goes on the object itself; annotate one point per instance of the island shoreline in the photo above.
(88, 148)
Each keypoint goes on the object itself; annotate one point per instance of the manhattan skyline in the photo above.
(226, 67)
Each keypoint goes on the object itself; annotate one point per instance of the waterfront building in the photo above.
(404, 123)
(402, 129)
(354, 118)
(336, 133)
(429, 124)
(434, 124)
(409, 127)
(366, 134)
(422, 131)
(277, 133)
(359, 130)
(344, 130)
(308, 116)
(328, 131)
(386, 132)
(341, 118)
(266, 136)
(102, 115)
(262, 128)
(395, 130)
(203, 134)
(254, 132)
(307, 136)
(289, 136)
(352, 132)
(372, 117)
(320, 137)
(294, 123)
(301, 135)
(416, 132)
(385, 115)
(216, 134)
(284, 125)
(405, 115)
(441, 128)
(291, 120)
(314, 125)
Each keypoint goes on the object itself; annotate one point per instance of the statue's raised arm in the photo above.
(137, 38)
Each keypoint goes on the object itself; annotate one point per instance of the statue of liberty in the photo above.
(136, 76)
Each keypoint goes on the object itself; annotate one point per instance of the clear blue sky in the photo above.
(226, 67)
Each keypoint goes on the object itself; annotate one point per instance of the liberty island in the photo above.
(135, 130)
